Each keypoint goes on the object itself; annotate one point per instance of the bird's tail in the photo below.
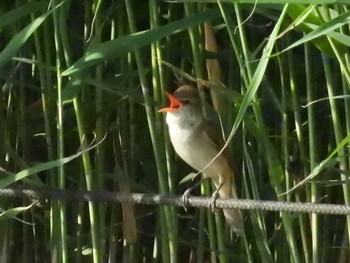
(233, 216)
(234, 220)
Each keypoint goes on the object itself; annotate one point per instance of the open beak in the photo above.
(174, 104)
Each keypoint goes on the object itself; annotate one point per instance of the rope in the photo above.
(148, 199)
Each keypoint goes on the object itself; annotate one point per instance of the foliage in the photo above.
(81, 85)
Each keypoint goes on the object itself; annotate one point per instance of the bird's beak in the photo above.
(174, 104)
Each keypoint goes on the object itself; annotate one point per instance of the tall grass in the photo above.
(81, 83)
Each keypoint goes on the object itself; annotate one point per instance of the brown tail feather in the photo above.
(233, 216)
(234, 220)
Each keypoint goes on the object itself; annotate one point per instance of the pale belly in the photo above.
(198, 151)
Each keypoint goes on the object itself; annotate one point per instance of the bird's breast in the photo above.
(196, 150)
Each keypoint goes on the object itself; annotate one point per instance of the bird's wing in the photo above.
(216, 138)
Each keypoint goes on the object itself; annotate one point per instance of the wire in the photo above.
(194, 201)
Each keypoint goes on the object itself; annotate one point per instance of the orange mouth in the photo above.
(174, 104)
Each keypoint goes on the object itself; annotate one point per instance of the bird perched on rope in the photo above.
(198, 143)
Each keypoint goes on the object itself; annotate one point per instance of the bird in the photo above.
(198, 143)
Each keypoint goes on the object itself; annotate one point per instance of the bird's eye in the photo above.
(185, 101)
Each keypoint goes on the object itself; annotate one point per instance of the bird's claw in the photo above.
(213, 198)
(185, 197)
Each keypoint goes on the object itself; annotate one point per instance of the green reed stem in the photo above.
(96, 252)
(312, 157)
(169, 237)
(60, 133)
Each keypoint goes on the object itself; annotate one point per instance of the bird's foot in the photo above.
(213, 198)
(185, 197)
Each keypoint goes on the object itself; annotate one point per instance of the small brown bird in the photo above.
(197, 142)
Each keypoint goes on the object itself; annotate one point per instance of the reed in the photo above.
(81, 83)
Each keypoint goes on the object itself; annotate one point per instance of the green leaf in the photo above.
(72, 88)
(257, 77)
(12, 16)
(21, 38)
(323, 30)
(328, 162)
(40, 168)
(341, 38)
(266, 1)
(13, 212)
(189, 177)
(125, 44)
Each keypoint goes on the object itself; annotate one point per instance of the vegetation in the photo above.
(81, 83)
